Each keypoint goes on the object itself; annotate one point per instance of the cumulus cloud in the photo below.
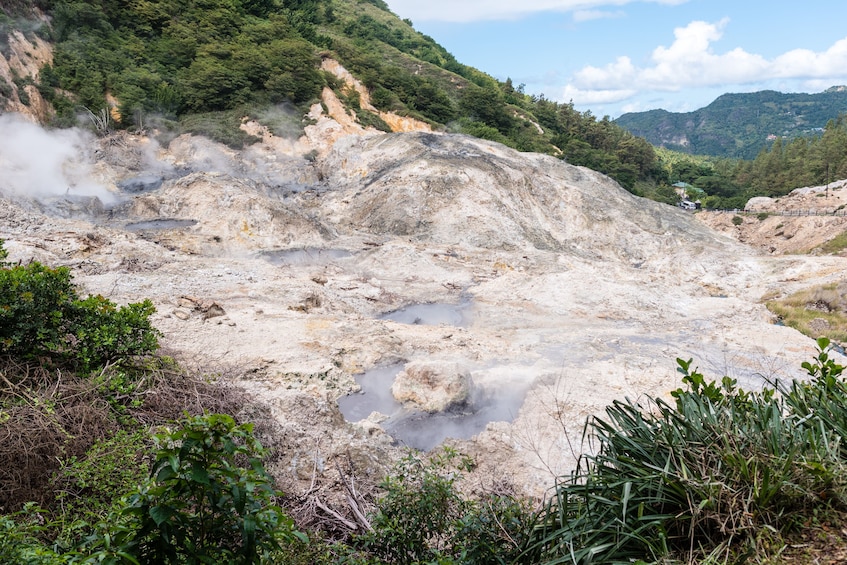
(691, 62)
(477, 10)
(35, 162)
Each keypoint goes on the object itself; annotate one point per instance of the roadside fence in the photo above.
(810, 212)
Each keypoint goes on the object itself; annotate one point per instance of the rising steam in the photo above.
(39, 163)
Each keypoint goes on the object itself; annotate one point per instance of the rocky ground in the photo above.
(799, 222)
(561, 291)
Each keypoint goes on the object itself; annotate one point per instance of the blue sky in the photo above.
(617, 56)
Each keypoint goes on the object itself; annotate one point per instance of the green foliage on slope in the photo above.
(801, 162)
(729, 183)
(163, 58)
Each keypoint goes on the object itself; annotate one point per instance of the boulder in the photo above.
(433, 386)
(759, 204)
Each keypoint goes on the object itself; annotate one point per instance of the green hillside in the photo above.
(201, 65)
(739, 125)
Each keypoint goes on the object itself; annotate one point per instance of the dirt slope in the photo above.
(800, 222)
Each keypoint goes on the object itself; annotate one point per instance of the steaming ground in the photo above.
(279, 272)
(39, 164)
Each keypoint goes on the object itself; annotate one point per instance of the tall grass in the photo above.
(711, 469)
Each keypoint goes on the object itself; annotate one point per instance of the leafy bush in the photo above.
(20, 542)
(89, 486)
(6, 89)
(368, 118)
(41, 316)
(737, 220)
(105, 333)
(424, 518)
(208, 500)
(33, 303)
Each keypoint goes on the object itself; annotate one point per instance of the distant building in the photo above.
(682, 189)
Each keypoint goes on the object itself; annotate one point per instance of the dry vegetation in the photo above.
(816, 312)
(50, 417)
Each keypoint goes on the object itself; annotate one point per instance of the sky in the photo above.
(618, 56)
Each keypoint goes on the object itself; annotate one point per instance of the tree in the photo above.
(487, 106)
(210, 84)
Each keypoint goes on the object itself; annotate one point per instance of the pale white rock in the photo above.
(433, 386)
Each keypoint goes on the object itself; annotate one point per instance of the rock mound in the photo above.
(231, 214)
(458, 190)
(433, 386)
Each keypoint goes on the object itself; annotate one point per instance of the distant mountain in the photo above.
(739, 125)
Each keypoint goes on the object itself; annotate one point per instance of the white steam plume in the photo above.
(39, 163)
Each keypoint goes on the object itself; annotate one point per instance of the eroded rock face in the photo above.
(23, 57)
(433, 386)
(459, 190)
(759, 204)
(800, 222)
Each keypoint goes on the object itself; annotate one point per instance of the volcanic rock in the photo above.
(433, 386)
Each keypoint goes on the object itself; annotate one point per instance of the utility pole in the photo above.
(828, 182)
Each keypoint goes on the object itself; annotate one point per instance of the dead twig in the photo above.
(352, 498)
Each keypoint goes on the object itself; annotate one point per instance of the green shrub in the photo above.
(208, 500)
(90, 486)
(762, 216)
(6, 90)
(21, 83)
(105, 333)
(714, 469)
(368, 118)
(737, 220)
(424, 518)
(34, 301)
(20, 540)
(41, 317)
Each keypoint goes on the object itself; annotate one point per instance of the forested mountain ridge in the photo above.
(739, 125)
(200, 65)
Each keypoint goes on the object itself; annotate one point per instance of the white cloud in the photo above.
(477, 10)
(690, 62)
(589, 97)
(587, 15)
